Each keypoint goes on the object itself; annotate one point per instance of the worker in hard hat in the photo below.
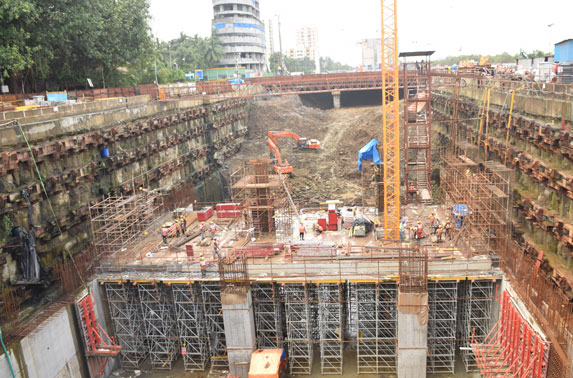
(402, 229)
(202, 229)
(439, 233)
(301, 231)
(203, 265)
(419, 231)
(215, 248)
(183, 224)
(213, 230)
(164, 231)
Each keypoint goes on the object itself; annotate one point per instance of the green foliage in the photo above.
(16, 16)
(63, 42)
(329, 65)
(493, 59)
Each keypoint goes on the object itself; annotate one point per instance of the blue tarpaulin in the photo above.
(369, 153)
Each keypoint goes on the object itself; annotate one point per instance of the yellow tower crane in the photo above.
(390, 120)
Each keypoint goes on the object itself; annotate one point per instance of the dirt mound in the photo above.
(330, 173)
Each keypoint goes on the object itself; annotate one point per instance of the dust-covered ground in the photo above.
(332, 172)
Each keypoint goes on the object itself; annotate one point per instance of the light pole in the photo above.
(281, 60)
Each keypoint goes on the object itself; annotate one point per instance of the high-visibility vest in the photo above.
(164, 232)
(301, 229)
(213, 228)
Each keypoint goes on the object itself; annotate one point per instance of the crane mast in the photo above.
(390, 120)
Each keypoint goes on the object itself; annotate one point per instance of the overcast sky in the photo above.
(451, 27)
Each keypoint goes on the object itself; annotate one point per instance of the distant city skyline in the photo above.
(449, 27)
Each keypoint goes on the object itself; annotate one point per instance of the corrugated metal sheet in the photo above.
(564, 51)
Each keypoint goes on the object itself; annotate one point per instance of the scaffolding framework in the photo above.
(268, 315)
(299, 318)
(417, 82)
(118, 221)
(211, 293)
(192, 326)
(264, 199)
(372, 179)
(331, 324)
(376, 318)
(125, 313)
(475, 317)
(161, 331)
(443, 300)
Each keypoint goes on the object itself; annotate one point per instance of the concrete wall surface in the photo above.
(55, 348)
(412, 334)
(51, 351)
(239, 321)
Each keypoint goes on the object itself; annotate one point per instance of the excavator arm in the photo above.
(280, 167)
(301, 142)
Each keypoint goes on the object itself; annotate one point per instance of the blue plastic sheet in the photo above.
(369, 153)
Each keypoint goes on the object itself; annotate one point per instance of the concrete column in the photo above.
(336, 99)
(412, 334)
(239, 321)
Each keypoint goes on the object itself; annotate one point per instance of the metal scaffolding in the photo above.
(268, 315)
(192, 325)
(443, 301)
(158, 314)
(417, 81)
(376, 318)
(475, 317)
(264, 199)
(372, 178)
(125, 313)
(298, 310)
(331, 325)
(211, 293)
(118, 221)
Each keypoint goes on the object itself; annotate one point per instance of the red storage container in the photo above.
(189, 249)
(332, 222)
(322, 223)
(228, 214)
(228, 206)
(205, 213)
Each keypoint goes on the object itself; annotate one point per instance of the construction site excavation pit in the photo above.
(222, 228)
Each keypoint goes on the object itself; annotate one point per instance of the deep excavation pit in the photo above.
(329, 173)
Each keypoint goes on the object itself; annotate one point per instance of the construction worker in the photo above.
(215, 248)
(177, 228)
(436, 224)
(419, 231)
(202, 229)
(439, 233)
(213, 229)
(402, 229)
(164, 231)
(301, 230)
(184, 223)
(448, 229)
(203, 265)
(432, 219)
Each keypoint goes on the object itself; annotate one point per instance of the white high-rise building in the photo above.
(306, 46)
(371, 54)
(238, 24)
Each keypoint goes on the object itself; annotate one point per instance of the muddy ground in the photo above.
(332, 172)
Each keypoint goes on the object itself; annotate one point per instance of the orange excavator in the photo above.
(302, 143)
(279, 166)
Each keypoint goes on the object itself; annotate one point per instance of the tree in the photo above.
(15, 52)
(63, 42)
(328, 65)
(213, 50)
